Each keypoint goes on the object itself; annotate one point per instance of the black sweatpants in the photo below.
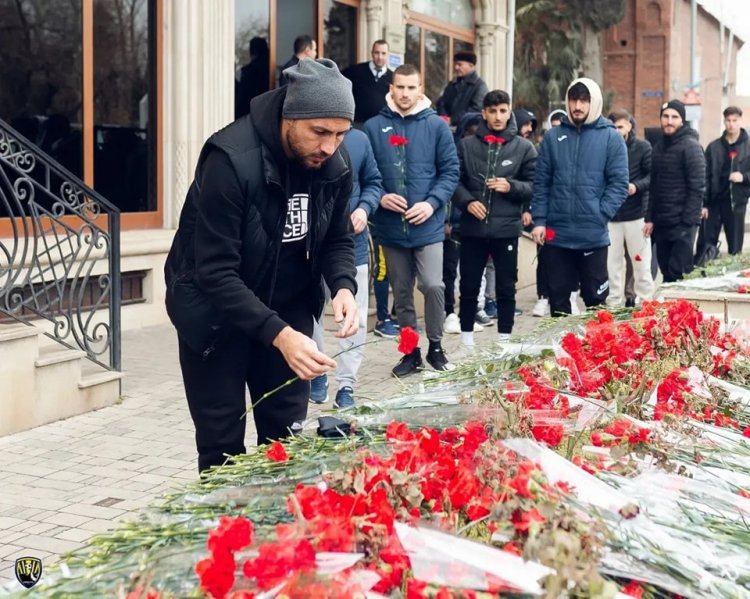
(567, 268)
(215, 390)
(451, 253)
(721, 214)
(542, 283)
(674, 250)
(474, 254)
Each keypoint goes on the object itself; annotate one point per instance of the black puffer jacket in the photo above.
(223, 261)
(678, 180)
(515, 161)
(639, 164)
(718, 164)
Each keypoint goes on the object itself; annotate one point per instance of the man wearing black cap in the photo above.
(678, 180)
(465, 92)
(267, 214)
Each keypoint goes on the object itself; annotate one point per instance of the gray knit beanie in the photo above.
(317, 90)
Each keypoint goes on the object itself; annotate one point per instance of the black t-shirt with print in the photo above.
(293, 274)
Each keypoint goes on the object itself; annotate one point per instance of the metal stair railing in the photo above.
(62, 261)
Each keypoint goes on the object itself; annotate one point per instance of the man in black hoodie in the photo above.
(267, 214)
(678, 180)
(626, 229)
(727, 184)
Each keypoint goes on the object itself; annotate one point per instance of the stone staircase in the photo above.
(42, 381)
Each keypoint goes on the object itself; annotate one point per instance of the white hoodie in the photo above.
(596, 100)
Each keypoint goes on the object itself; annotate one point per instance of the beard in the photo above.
(308, 160)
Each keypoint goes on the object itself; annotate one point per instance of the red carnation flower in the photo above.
(638, 258)
(397, 140)
(501, 140)
(733, 154)
(490, 139)
(549, 234)
(408, 341)
(277, 453)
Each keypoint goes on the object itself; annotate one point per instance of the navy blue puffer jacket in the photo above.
(581, 181)
(431, 172)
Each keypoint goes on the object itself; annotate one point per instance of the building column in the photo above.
(197, 89)
(374, 15)
(492, 32)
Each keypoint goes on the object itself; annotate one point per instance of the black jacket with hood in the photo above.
(718, 165)
(515, 160)
(221, 269)
(639, 164)
(678, 180)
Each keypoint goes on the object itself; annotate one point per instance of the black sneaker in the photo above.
(437, 359)
(409, 364)
(630, 302)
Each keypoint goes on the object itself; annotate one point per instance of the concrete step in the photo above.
(51, 355)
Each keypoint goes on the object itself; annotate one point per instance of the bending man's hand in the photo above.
(302, 355)
(345, 313)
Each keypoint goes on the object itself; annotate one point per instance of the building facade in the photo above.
(649, 59)
(125, 94)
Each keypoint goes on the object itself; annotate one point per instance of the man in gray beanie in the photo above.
(266, 215)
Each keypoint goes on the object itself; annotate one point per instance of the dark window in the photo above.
(437, 64)
(413, 46)
(41, 86)
(124, 108)
(340, 31)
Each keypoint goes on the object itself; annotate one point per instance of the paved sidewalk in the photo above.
(64, 482)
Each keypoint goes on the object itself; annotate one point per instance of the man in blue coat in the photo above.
(416, 155)
(581, 181)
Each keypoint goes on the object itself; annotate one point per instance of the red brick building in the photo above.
(647, 61)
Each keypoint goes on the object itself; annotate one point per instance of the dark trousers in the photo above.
(451, 253)
(542, 284)
(567, 268)
(733, 221)
(215, 390)
(674, 251)
(474, 254)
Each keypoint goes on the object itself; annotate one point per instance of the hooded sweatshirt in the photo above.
(238, 254)
(581, 178)
(429, 173)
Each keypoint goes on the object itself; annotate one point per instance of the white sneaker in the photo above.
(478, 328)
(541, 308)
(452, 325)
(503, 337)
(574, 310)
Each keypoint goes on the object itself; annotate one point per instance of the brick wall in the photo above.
(647, 62)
